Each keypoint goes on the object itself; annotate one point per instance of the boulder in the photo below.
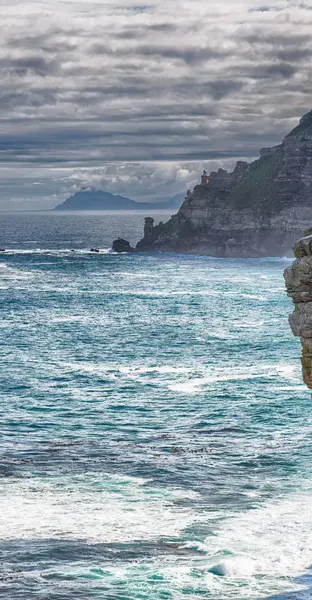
(121, 245)
(303, 247)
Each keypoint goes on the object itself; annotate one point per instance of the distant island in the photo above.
(88, 199)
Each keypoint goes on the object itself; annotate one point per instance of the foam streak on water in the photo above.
(155, 431)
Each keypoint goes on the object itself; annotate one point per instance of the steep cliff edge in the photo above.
(258, 210)
(298, 280)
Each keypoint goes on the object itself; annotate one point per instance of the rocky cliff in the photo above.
(298, 280)
(259, 209)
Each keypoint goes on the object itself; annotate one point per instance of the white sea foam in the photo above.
(56, 252)
(188, 380)
(70, 319)
(12, 274)
(135, 372)
(254, 555)
(213, 375)
(248, 324)
(160, 369)
(274, 542)
(108, 509)
(288, 371)
(186, 387)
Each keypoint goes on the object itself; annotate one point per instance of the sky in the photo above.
(136, 97)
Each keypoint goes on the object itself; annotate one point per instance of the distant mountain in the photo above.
(100, 200)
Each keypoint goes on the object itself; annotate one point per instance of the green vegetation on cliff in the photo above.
(258, 187)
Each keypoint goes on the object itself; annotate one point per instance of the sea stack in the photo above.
(298, 280)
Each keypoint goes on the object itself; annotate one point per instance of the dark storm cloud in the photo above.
(279, 70)
(223, 87)
(84, 86)
(162, 27)
(294, 54)
(257, 35)
(33, 64)
(187, 55)
(263, 9)
(51, 41)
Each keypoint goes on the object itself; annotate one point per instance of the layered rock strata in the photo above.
(298, 280)
(259, 209)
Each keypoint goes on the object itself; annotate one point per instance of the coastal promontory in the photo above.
(259, 209)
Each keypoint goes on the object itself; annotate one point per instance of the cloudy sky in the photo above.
(136, 96)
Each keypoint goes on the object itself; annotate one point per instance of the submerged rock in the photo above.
(121, 245)
(298, 278)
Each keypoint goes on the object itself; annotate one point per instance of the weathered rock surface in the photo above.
(151, 233)
(121, 245)
(258, 210)
(298, 280)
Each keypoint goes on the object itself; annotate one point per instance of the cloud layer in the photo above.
(143, 94)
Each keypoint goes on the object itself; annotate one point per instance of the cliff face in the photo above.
(298, 280)
(258, 210)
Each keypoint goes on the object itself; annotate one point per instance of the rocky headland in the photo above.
(298, 278)
(259, 209)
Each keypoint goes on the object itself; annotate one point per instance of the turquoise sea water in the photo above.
(156, 436)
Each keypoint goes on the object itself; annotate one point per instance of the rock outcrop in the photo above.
(151, 233)
(121, 245)
(259, 209)
(298, 280)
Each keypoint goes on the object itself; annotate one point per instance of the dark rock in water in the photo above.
(260, 209)
(2, 249)
(94, 250)
(298, 280)
(121, 245)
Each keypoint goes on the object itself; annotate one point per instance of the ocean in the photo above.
(156, 435)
